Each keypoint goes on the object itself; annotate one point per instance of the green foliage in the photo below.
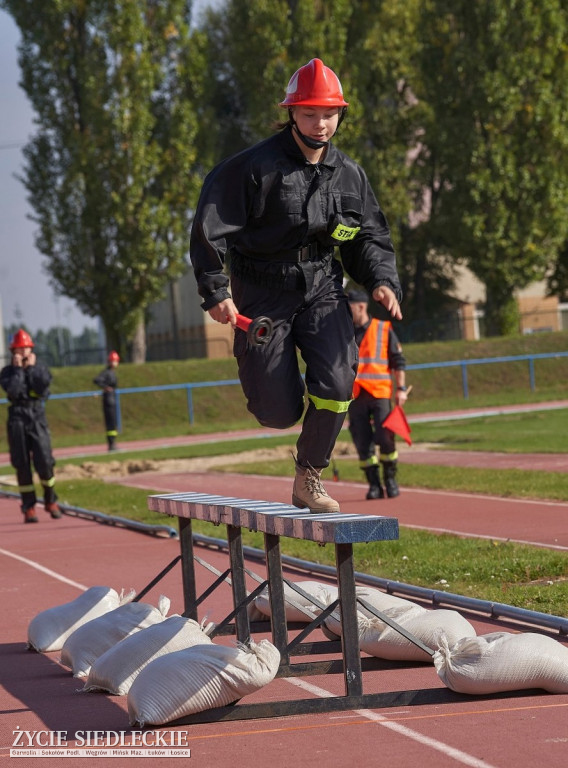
(495, 79)
(110, 170)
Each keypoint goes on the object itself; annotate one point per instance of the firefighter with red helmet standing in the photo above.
(279, 209)
(108, 382)
(26, 383)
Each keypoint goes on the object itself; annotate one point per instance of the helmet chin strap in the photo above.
(311, 143)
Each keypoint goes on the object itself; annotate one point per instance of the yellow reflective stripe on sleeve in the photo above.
(48, 483)
(34, 394)
(343, 233)
(337, 406)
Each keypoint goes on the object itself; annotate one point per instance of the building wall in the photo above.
(178, 328)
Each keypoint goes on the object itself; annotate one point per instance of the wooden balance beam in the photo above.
(275, 520)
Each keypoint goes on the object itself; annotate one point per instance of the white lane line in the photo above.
(464, 535)
(456, 754)
(483, 496)
(43, 569)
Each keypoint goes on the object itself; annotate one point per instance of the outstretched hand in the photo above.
(385, 296)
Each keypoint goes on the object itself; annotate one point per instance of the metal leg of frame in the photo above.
(187, 569)
(242, 624)
(349, 627)
(276, 591)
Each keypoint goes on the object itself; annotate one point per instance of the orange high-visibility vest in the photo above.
(373, 373)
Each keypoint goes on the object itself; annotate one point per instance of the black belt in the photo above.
(311, 252)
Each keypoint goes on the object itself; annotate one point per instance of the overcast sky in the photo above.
(25, 293)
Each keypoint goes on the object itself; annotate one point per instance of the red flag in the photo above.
(397, 423)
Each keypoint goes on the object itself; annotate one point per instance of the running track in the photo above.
(50, 563)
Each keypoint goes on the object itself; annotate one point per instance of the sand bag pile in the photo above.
(199, 678)
(91, 640)
(117, 668)
(379, 639)
(503, 661)
(49, 630)
(293, 601)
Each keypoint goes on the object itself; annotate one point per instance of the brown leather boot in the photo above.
(30, 515)
(53, 510)
(309, 492)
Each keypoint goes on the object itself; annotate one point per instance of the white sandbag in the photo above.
(503, 661)
(377, 599)
(199, 678)
(378, 639)
(49, 630)
(117, 668)
(94, 638)
(324, 593)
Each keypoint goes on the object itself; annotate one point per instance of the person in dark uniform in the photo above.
(380, 355)
(26, 383)
(279, 209)
(108, 382)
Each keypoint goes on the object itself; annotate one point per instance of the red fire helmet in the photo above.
(113, 357)
(21, 339)
(314, 85)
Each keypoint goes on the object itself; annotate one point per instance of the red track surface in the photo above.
(50, 563)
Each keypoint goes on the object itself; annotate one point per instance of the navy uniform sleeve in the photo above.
(397, 361)
(222, 212)
(39, 379)
(13, 382)
(369, 257)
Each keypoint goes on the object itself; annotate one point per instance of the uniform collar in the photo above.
(332, 157)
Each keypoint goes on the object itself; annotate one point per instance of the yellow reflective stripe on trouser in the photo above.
(25, 488)
(372, 461)
(337, 406)
(389, 456)
(112, 433)
(48, 483)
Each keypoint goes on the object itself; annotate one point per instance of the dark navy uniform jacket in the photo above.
(268, 201)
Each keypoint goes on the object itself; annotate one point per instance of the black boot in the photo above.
(111, 440)
(389, 476)
(375, 488)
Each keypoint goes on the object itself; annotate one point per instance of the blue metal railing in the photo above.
(190, 386)
(463, 364)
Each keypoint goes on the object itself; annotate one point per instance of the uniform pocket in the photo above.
(347, 221)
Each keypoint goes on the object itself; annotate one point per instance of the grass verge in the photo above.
(529, 577)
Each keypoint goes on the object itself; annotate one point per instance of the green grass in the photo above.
(536, 432)
(530, 577)
(79, 421)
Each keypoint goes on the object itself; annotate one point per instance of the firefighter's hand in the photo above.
(224, 312)
(401, 397)
(385, 296)
(17, 360)
(29, 360)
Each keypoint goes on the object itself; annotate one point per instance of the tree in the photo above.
(495, 78)
(111, 172)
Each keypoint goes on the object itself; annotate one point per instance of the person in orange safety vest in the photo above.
(380, 355)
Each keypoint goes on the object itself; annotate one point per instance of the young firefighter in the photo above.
(26, 383)
(280, 208)
(380, 354)
(108, 382)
